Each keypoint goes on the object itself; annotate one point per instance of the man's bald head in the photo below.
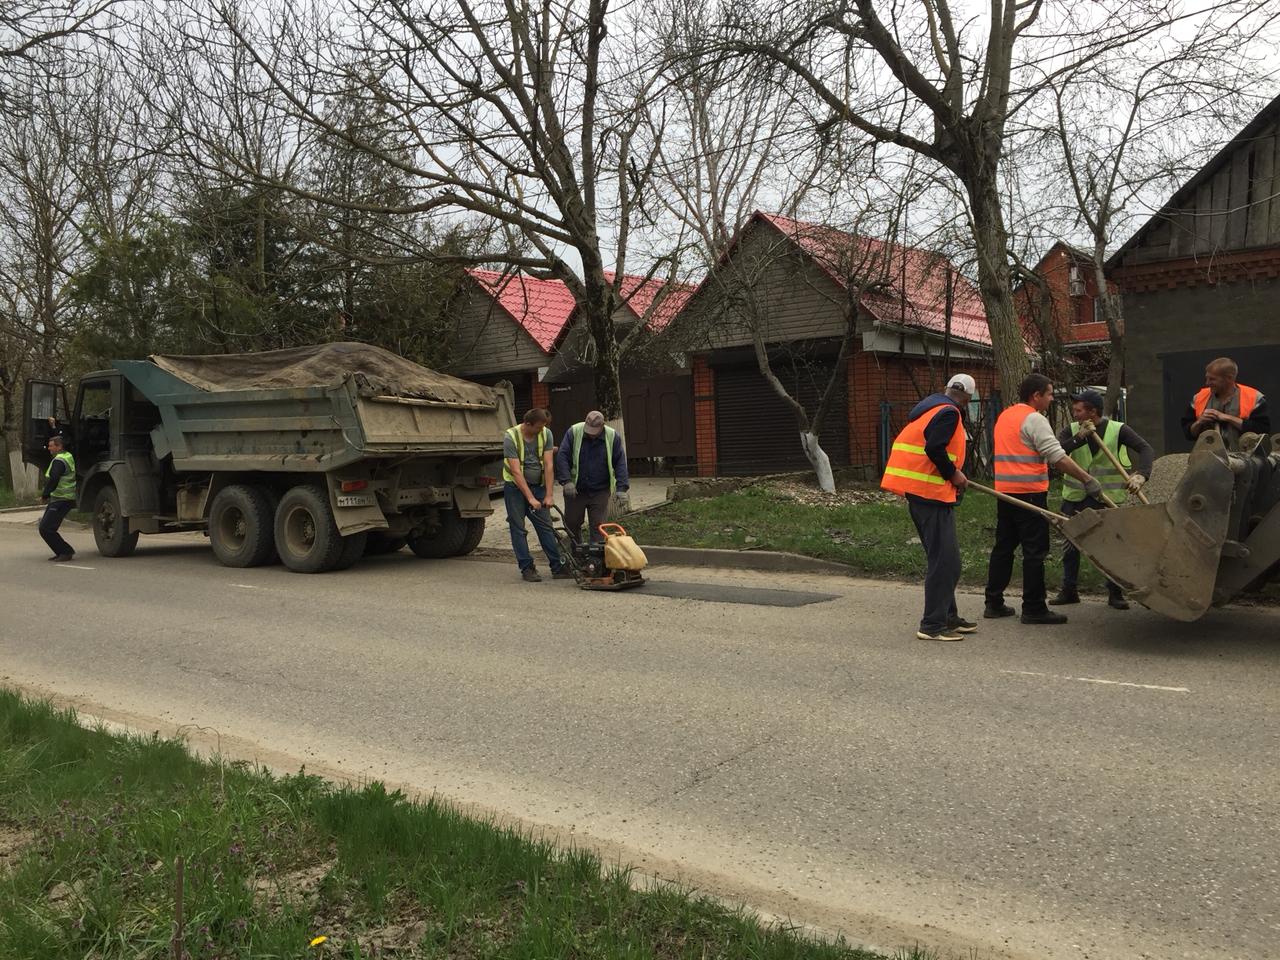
(1220, 376)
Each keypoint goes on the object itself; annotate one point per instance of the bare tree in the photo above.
(928, 79)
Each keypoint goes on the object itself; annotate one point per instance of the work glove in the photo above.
(1093, 488)
(1088, 428)
(570, 490)
(1135, 482)
(620, 504)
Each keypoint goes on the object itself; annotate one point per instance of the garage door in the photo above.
(755, 429)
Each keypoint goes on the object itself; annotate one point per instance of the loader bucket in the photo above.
(1166, 555)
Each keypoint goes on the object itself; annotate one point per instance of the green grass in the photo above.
(92, 827)
(875, 539)
(7, 498)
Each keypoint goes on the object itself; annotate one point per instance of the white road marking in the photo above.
(1110, 683)
(246, 586)
(67, 566)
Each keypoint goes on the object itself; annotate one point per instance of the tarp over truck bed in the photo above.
(375, 372)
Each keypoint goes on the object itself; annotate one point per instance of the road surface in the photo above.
(1110, 789)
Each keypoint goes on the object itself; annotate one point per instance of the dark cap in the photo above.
(1092, 397)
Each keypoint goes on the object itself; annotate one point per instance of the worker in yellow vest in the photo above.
(527, 450)
(1233, 408)
(925, 466)
(1025, 449)
(1083, 441)
(591, 467)
(59, 497)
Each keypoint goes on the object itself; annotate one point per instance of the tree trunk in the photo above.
(995, 284)
(1115, 330)
(820, 461)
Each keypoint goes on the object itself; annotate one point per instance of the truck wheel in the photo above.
(110, 529)
(241, 527)
(353, 548)
(445, 541)
(380, 542)
(475, 531)
(307, 539)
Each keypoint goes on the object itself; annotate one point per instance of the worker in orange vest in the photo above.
(1025, 449)
(925, 466)
(1232, 407)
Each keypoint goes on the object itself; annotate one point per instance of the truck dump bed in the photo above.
(312, 409)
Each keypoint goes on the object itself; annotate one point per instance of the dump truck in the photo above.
(314, 455)
(1215, 536)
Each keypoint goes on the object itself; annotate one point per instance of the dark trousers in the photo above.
(1016, 528)
(593, 506)
(518, 509)
(54, 514)
(936, 524)
(1071, 554)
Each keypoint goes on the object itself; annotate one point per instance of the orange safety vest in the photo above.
(910, 470)
(1018, 468)
(1248, 400)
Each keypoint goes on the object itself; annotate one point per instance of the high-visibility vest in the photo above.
(1099, 466)
(1248, 400)
(576, 431)
(66, 488)
(909, 469)
(518, 436)
(1018, 468)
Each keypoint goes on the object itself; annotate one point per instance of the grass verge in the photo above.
(92, 827)
(876, 539)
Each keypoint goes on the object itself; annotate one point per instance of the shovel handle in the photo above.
(1120, 466)
(1055, 518)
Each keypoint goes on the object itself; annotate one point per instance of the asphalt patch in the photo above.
(716, 593)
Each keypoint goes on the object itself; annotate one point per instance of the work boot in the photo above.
(940, 635)
(64, 557)
(961, 625)
(530, 575)
(1064, 597)
(995, 613)
(1048, 617)
(1117, 602)
(564, 573)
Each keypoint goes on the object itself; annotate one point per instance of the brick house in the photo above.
(521, 329)
(791, 282)
(1201, 279)
(1062, 320)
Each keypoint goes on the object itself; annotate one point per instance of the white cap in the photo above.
(962, 381)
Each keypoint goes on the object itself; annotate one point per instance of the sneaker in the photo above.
(1117, 603)
(1064, 597)
(940, 635)
(961, 625)
(564, 573)
(64, 557)
(530, 575)
(995, 613)
(1048, 617)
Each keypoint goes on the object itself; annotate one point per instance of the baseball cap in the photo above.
(962, 381)
(1092, 397)
(594, 424)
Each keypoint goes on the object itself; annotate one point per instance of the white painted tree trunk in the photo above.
(26, 480)
(821, 462)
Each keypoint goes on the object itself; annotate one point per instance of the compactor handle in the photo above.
(605, 529)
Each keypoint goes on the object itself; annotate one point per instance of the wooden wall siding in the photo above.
(798, 301)
(487, 339)
(1233, 209)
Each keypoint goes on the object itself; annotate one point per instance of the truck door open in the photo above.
(44, 414)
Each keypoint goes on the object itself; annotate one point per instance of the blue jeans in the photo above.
(54, 513)
(517, 510)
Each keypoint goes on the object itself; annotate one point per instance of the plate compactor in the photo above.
(613, 564)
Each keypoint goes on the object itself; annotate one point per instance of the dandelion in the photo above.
(316, 941)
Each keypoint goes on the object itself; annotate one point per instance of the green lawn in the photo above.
(876, 539)
(93, 827)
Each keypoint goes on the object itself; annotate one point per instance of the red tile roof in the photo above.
(542, 307)
(545, 307)
(640, 295)
(923, 275)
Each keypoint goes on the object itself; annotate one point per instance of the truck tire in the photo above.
(380, 542)
(307, 539)
(242, 527)
(445, 541)
(353, 548)
(475, 531)
(110, 529)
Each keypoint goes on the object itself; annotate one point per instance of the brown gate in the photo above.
(659, 417)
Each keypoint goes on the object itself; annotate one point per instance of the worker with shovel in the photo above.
(1025, 450)
(1105, 448)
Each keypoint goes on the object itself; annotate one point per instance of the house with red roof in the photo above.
(801, 289)
(514, 327)
(1062, 316)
